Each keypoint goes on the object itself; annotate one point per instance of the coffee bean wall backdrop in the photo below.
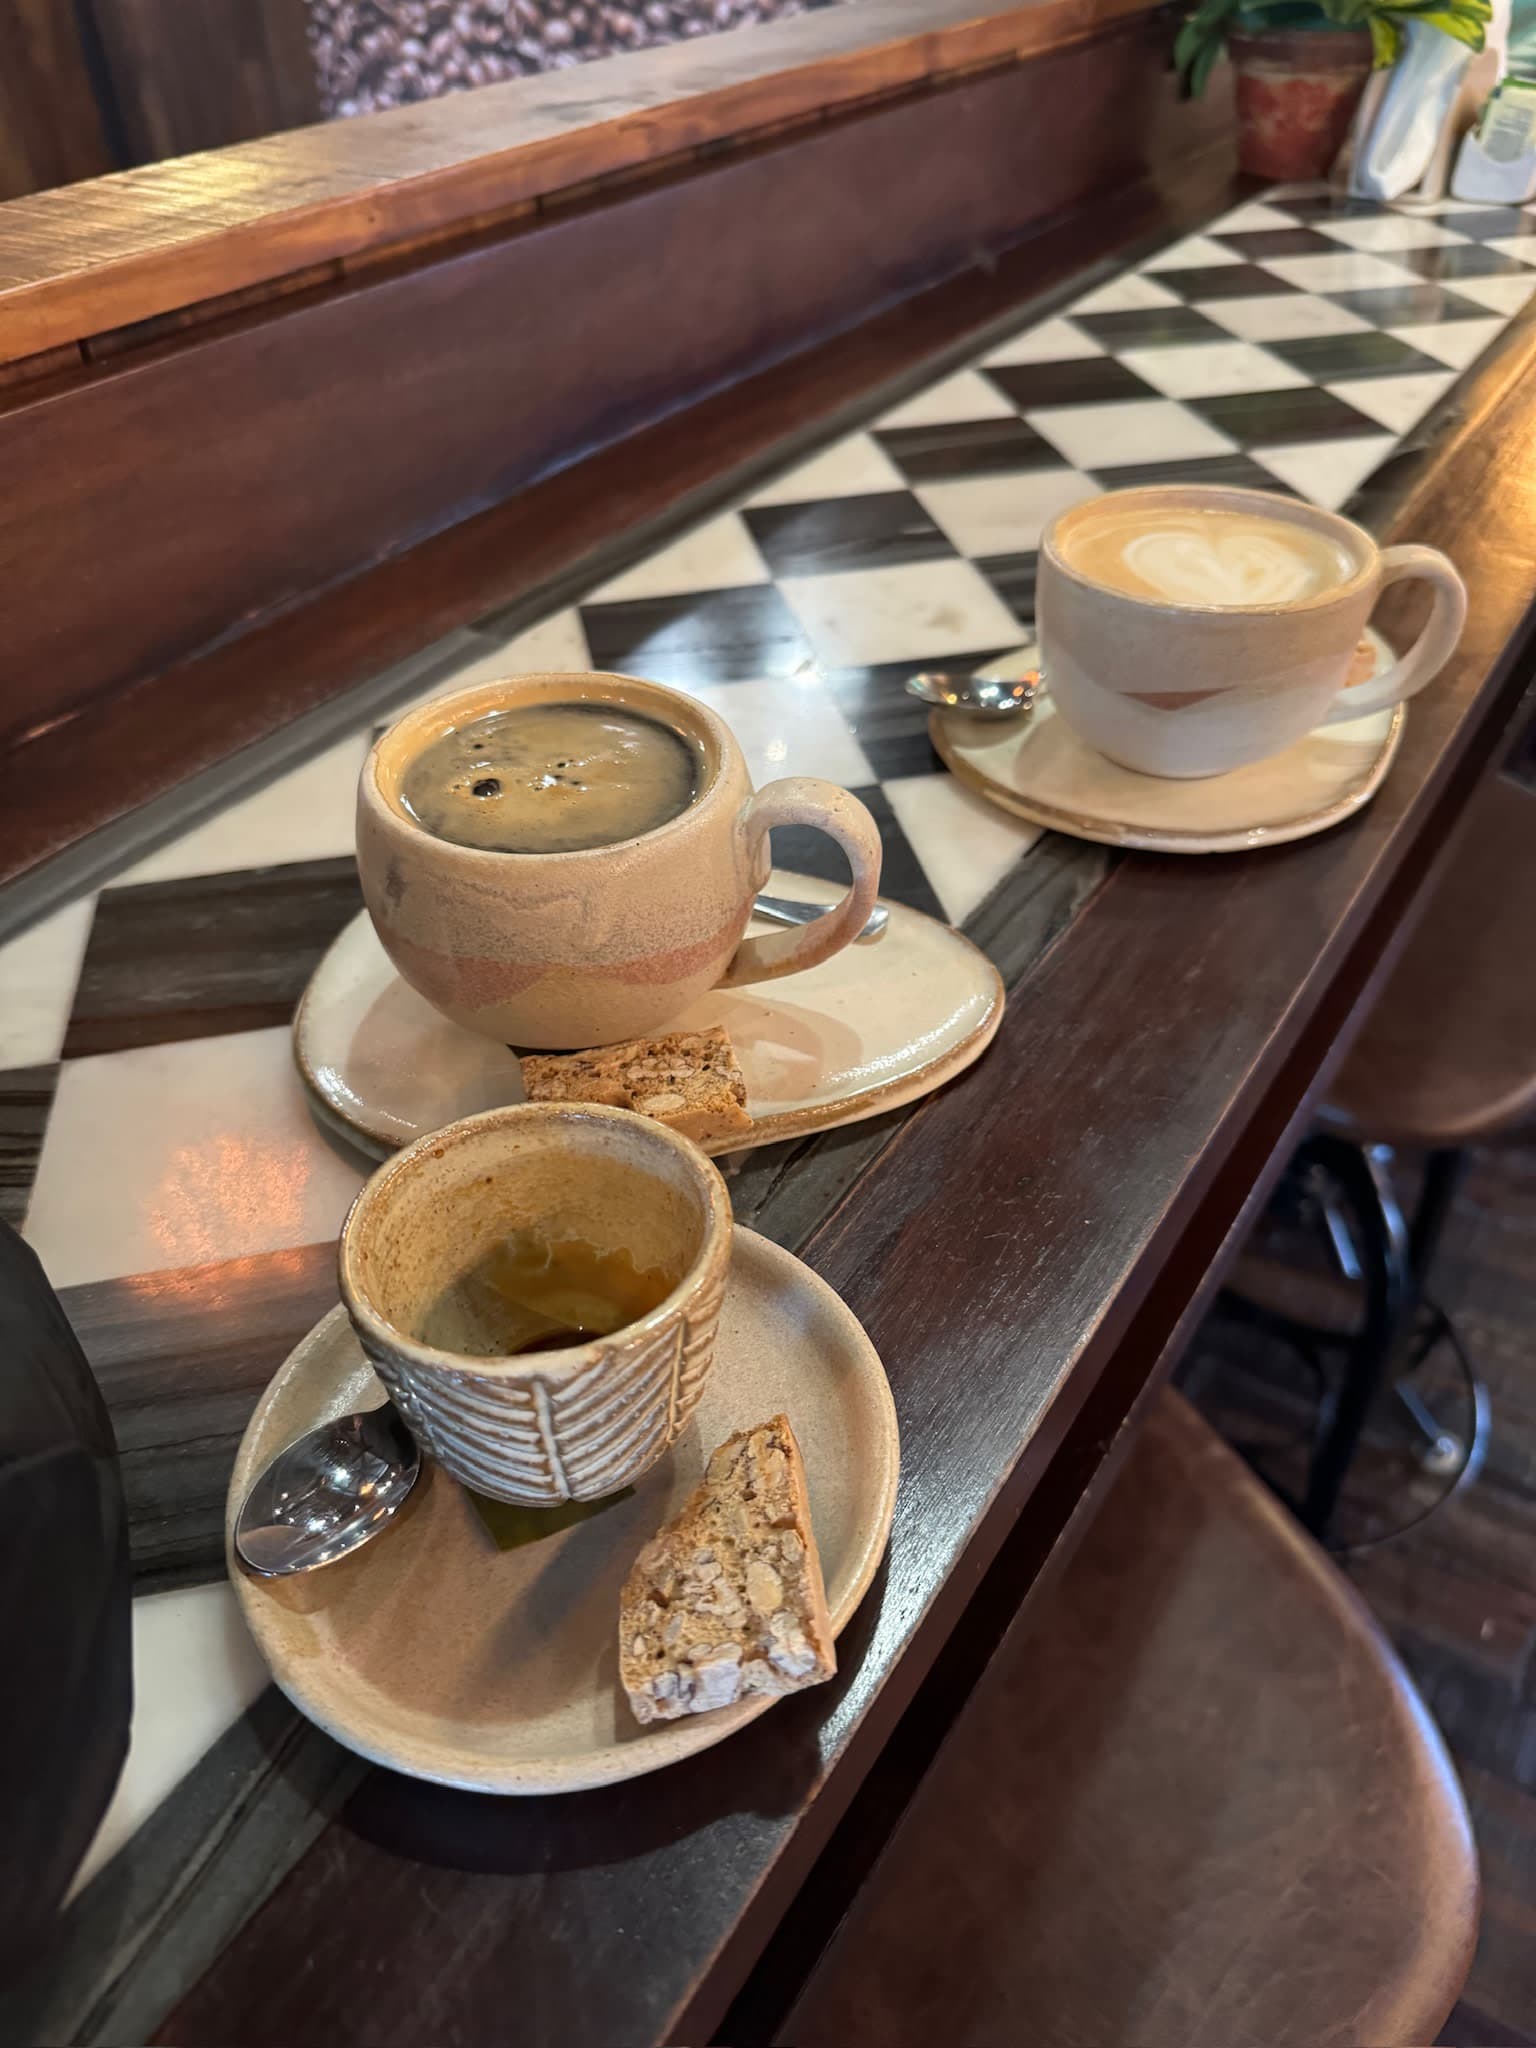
(371, 54)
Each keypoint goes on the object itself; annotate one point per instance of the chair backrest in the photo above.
(66, 1693)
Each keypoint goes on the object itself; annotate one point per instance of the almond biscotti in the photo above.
(727, 1600)
(688, 1080)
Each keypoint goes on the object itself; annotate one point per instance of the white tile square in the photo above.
(179, 1154)
(1499, 294)
(1282, 316)
(1003, 515)
(1195, 251)
(1350, 270)
(1376, 232)
(1212, 369)
(1521, 247)
(1453, 342)
(1128, 294)
(965, 396)
(854, 467)
(38, 972)
(866, 616)
(1395, 402)
(1135, 430)
(1328, 473)
(789, 725)
(556, 645)
(195, 1671)
(965, 844)
(1053, 341)
(720, 555)
(307, 814)
(1249, 218)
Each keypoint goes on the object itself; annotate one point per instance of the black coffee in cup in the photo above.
(552, 778)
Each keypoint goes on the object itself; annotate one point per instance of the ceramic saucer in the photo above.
(879, 1024)
(1042, 771)
(435, 1653)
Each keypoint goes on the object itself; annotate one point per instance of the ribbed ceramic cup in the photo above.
(1185, 689)
(563, 950)
(547, 1426)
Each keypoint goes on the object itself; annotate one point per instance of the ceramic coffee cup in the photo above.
(563, 950)
(550, 1425)
(1190, 688)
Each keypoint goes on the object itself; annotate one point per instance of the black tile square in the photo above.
(1330, 206)
(1013, 578)
(1150, 327)
(1234, 470)
(206, 954)
(1223, 281)
(707, 636)
(1406, 305)
(26, 1097)
(1260, 245)
(1327, 358)
(890, 726)
(928, 455)
(1255, 419)
(1492, 224)
(803, 851)
(1088, 381)
(877, 530)
(1471, 259)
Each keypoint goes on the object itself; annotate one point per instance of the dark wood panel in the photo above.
(201, 492)
(153, 240)
(51, 129)
(196, 77)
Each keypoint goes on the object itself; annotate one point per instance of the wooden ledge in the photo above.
(81, 260)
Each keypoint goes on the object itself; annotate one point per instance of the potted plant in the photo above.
(1301, 66)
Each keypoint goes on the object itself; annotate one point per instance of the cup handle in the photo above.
(1429, 653)
(804, 800)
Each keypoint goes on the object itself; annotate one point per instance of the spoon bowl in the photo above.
(328, 1493)
(982, 696)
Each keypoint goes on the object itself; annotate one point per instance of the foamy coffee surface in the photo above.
(552, 778)
(1209, 557)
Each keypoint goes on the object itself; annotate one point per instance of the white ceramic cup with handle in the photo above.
(1189, 629)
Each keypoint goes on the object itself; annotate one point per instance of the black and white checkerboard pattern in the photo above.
(150, 1123)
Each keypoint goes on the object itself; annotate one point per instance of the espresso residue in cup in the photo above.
(552, 778)
(531, 1293)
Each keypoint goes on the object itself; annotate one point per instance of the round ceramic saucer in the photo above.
(879, 1024)
(1042, 771)
(433, 1652)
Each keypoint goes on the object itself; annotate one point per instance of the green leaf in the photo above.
(1466, 28)
(1386, 40)
(1200, 70)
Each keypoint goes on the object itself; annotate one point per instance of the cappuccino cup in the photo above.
(587, 943)
(1189, 629)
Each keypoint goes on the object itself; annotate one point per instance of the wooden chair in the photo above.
(1194, 1802)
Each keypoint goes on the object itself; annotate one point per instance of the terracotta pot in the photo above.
(1297, 90)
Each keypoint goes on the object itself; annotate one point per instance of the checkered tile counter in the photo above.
(154, 1131)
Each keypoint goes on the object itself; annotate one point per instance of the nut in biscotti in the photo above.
(727, 1600)
(688, 1080)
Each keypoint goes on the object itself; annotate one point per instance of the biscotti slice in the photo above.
(686, 1079)
(727, 1600)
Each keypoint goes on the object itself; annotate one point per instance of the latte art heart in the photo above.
(1243, 568)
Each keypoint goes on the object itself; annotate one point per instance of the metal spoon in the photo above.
(329, 1493)
(780, 910)
(983, 696)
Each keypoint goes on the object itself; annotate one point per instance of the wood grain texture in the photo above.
(51, 129)
(145, 241)
(205, 495)
(197, 78)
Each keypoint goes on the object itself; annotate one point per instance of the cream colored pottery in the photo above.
(569, 950)
(434, 1653)
(1186, 690)
(557, 1425)
(879, 1024)
(1042, 771)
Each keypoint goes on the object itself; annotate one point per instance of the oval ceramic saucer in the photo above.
(880, 1024)
(1041, 770)
(433, 1652)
